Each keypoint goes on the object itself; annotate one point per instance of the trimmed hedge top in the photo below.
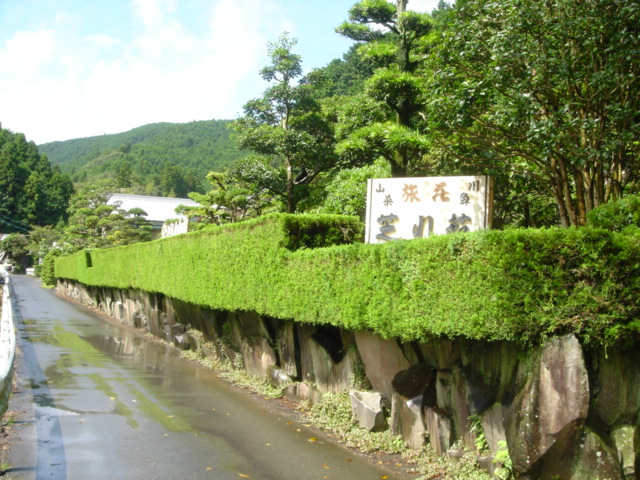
(517, 285)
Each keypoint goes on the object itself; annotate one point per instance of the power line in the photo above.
(15, 223)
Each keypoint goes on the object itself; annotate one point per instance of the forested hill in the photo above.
(150, 159)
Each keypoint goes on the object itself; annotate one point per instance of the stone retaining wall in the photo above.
(561, 410)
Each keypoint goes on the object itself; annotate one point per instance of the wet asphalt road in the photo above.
(99, 401)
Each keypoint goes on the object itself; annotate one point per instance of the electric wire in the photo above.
(15, 223)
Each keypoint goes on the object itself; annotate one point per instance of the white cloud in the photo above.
(153, 12)
(28, 52)
(168, 74)
(80, 83)
(102, 41)
(424, 5)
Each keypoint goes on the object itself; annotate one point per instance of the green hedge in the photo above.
(520, 285)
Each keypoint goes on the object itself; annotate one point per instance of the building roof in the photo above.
(158, 209)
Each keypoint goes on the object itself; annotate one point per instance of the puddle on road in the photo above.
(45, 411)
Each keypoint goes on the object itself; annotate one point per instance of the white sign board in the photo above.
(415, 207)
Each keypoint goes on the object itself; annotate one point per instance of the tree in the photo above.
(31, 191)
(124, 171)
(93, 223)
(344, 77)
(286, 127)
(346, 192)
(172, 181)
(553, 86)
(232, 199)
(59, 190)
(16, 247)
(391, 38)
(42, 240)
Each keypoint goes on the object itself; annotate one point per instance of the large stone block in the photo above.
(118, 311)
(407, 420)
(367, 408)
(490, 370)
(305, 332)
(438, 426)
(257, 356)
(493, 427)
(382, 359)
(545, 420)
(453, 398)
(413, 389)
(330, 376)
(442, 353)
(617, 392)
(595, 459)
(303, 391)
(626, 439)
(130, 312)
(253, 325)
(286, 347)
(155, 325)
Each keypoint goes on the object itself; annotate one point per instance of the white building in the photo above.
(158, 210)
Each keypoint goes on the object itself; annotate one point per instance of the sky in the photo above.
(78, 68)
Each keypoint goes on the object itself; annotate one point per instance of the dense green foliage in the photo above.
(233, 198)
(157, 159)
(286, 128)
(545, 98)
(519, 285)
(391, 38)
(617, 216)
(346, 192)
(94, 223)
(546, 88)
(16, 246)
(47, 269)
(32, 192)
(345, 76)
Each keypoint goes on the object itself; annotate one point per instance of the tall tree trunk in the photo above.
(582, 200)
(403, 61)
(398, 166)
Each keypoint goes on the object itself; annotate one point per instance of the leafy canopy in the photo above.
(549, 86)
(286, 128)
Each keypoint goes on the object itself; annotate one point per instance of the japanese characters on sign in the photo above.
(406, 208)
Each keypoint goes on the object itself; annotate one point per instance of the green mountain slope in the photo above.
(143, 156)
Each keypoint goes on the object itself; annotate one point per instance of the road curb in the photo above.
(7, 344)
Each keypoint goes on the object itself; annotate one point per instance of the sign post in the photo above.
(418, 207)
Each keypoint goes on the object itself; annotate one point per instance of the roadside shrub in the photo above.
(47, 269)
